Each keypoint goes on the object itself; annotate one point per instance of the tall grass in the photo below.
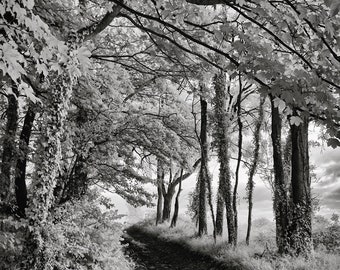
(259, 255)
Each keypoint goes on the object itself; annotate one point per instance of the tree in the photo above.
(203, 173)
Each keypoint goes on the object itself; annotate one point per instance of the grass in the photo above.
(259, 255)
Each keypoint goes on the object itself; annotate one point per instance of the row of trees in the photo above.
(129, 96)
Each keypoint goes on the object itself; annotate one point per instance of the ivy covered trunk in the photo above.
(219, 210)
(280, 189)
(8, 147)
(202, 181)
(47, 160)
(223, 153)
(300, 228)
(20, 169)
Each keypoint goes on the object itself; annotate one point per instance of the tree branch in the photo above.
(97, 27)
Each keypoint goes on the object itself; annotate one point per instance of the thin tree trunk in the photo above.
(20, 170)
(253, 167)
(175, 216)
(210, 203)
(75, 185)
(300, 229)
(223, 153)
(160, 183)
(8, 147)
(202, 215)
(239, 155)
(280, 189)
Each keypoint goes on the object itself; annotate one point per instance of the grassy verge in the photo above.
(259, 255)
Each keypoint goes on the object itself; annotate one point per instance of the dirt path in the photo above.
(151, 253)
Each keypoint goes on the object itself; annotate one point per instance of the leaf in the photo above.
(25, 88)
(333, 142)
(240, 2)
(12, 59)
(280, 104)
(295, 120)
(83, 55)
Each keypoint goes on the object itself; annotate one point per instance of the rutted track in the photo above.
(150, 252)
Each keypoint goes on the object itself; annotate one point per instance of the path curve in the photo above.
(149, 252)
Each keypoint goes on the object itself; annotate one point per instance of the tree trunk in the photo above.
(253, 167)
(300, 229)
(280, 189)
(175, 216)
(160, 183)
(20, 170)
(167, 204)
(8, 147)
(76, 184)
(223, 153)
(202, 194)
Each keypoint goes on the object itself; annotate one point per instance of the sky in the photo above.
(326, 187)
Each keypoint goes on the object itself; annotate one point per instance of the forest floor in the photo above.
(151, 252)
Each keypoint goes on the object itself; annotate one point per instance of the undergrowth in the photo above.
(79, 235)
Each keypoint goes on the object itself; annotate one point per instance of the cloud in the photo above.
(331, 199)
(325, 156)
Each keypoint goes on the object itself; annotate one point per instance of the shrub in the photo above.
(328, 239)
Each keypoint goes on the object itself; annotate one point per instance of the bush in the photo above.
(328, 239)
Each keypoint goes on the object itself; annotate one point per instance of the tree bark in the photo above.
(253, 167)
(202, 188)
(223, 154)
(175, 216)
(280, 189)
(20, 169)
(300, 229)
(160, 183)
(8, 147)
